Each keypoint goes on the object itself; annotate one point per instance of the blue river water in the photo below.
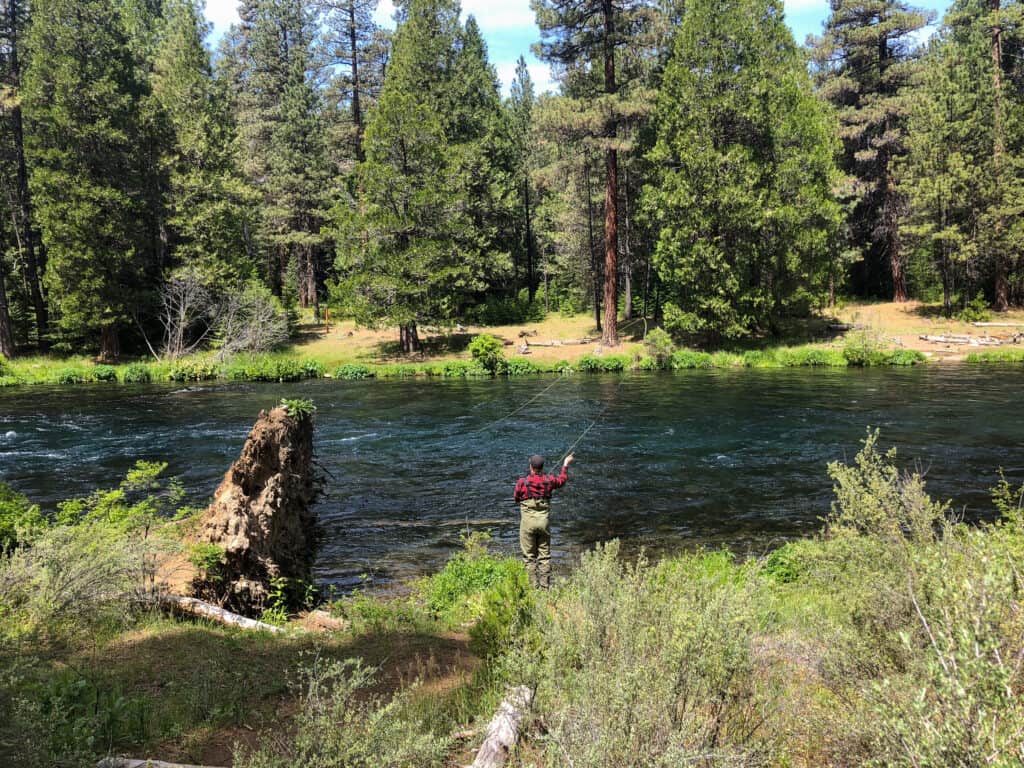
(670, 461)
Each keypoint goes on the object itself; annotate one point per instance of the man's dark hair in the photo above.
(537, 462)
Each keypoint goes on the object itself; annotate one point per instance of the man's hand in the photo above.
(569, 459)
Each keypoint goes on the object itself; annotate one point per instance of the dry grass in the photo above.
(344, 342)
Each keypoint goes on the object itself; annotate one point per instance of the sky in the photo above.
(510, 29)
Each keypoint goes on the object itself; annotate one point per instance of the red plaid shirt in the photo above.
(536, 486)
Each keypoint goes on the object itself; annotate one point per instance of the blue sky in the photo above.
(509, 27)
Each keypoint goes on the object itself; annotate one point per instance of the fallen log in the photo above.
(559, 343)
(998, 325)
(503, 732)
(951, 339)
(196, 607)
(124, 762)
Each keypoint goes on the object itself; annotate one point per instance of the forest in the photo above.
(697, 165)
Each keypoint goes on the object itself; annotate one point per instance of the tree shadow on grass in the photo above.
(203, 688)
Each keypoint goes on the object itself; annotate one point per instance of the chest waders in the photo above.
(535, 540)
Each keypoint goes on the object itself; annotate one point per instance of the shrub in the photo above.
(686, 358)
(591, 363)
(136, 373)
(20, 521)
(905, 357)
(352, 372)
(647, 665)
(863, 349)
(9, 381)
(488, 352)
(313, 369)
(4, 366)
(455, 593)
(659, 346)
(496, 311)
(520, 366)
(193, 370)
(70, 376)
(976, 311)
(505, 612)
(104, 373)
(341, 725)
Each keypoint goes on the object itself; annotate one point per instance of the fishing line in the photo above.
(509, 415)
(595, 422)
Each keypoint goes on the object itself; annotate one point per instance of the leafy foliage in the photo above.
(489, 352)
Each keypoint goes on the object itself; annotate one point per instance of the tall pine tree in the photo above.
(413, 251)
(82, 106)
(865, 63)
(583, 38)
(745, 153)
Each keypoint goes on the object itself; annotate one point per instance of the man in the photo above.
(533, 494)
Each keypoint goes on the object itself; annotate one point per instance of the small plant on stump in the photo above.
(298, 408)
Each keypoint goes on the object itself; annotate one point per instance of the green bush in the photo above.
(9, 381)
(193, 370)
(591, 363)
(659, 346)
(520, 366)
(352, 372)
(70, 376)
(496, 311)
(136, 373)
(505, 612)
(455, 594)
(104, 373)
(649, 364)
(313, 369)
(687, 358)
(632, 658)
(863, 349)
(905, 357)
(4, 366)
(976, 311)
(488, 352)
(20, 521)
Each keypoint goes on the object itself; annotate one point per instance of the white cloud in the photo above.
(222, 13)
(512, 14)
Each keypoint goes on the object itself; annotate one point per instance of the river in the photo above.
(670, 460)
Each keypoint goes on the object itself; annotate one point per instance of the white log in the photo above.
(124, 762)
(212, 612)
(503, 732)
(998, 325)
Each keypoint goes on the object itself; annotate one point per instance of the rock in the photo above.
(261, 514)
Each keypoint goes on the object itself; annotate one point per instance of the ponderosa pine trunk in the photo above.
(408, 338)
(596, 277)
(610, 337)
(6, 337)
(627, 271)
(33, 263)
(357, 112)
(110, 344)
(1001, 299)
(531, 286)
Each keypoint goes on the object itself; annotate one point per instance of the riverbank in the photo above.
(890, 638)
(859, 335)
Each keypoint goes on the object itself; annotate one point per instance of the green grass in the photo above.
(997, 356)
(288, 367)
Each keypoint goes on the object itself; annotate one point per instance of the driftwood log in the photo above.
(998, 325)
(566, 343)
(195, 607)
(503, 732)
(124, 762)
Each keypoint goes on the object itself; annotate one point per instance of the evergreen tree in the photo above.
(964, 174)
(209, 205)
(745, 153)
(865, 63)
(14, 20)
(268, 61)
(82, 105)
(583, 38)
(521, 103)
(413, 252)
(351, 42)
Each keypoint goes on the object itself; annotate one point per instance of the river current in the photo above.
(670, 461)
